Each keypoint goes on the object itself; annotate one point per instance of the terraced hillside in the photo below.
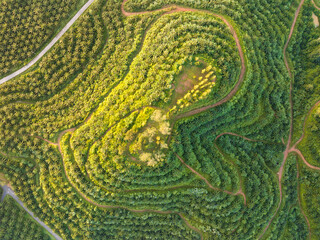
(171, 119)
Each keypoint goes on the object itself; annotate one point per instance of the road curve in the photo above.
(8, 191)
(49, 46)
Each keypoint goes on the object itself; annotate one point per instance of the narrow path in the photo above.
(299, 153)
(287, 150)
(8, 191)
(294, 147)
(49, 46)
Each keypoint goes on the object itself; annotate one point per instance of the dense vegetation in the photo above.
(126, 129)
(25, 26)
(310, 197)
(15, 223)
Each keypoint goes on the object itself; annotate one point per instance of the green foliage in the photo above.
(306, 58)
(309, 193)
(310, 143)
(27, 26)
(289, 222)
(15, 223)
(88, 144)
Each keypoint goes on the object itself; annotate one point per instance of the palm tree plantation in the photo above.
(166, 119)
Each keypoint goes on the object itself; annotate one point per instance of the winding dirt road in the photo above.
(49, 46)
(287, 150)
(240, 192)
(294, 148)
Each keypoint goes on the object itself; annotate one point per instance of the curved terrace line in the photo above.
(49, 46)
(240, 192)
(299, 201)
